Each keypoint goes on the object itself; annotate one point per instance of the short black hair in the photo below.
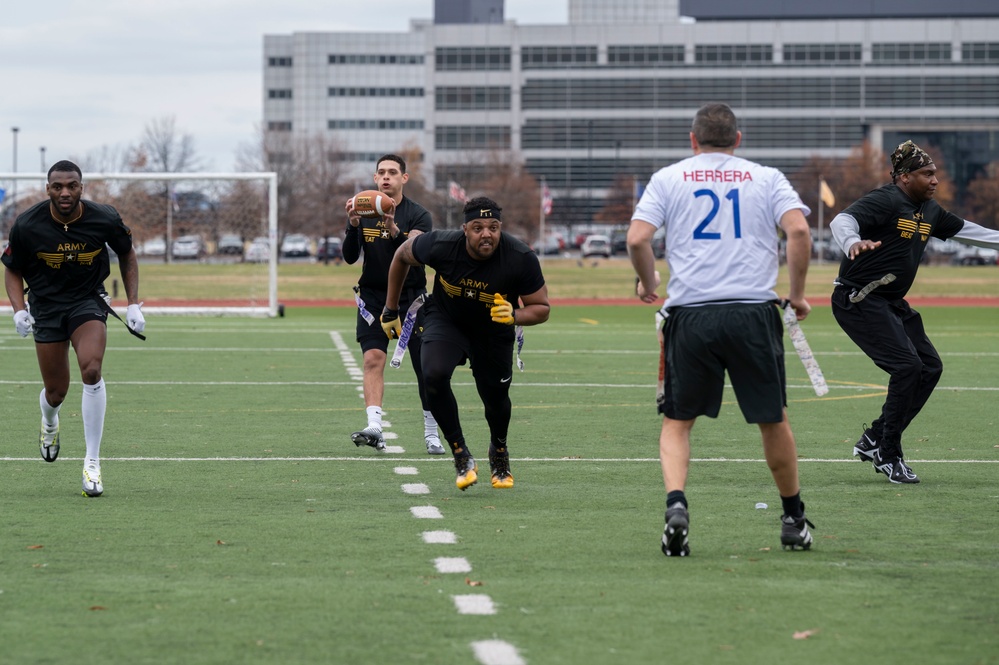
(392, 158)
(65, 166)
(481, 202)
(715, 125)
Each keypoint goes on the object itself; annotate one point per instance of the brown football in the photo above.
(371, 203)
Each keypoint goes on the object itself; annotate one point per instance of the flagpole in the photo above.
(541, 213)
(821, 205)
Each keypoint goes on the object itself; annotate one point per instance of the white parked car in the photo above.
(153, 247)
(970, 255)
(188, 247)
(596, 245)
(259, 251)
(295, 244)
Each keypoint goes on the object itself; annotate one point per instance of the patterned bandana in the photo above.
(908, 157)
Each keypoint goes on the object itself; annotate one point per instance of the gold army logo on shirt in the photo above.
(909, 228)
(69, 252)
(471, 289)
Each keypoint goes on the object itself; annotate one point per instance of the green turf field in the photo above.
(240, 524)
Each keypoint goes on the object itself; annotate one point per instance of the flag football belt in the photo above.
(407, 331)
(106, 306)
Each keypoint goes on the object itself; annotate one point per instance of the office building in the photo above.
(613, 91)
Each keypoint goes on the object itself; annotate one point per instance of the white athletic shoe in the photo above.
(48, 442)
(92, 485)
(434, 446)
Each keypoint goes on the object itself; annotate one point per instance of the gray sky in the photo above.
(81, 75)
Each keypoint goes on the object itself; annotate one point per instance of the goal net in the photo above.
(206, 242)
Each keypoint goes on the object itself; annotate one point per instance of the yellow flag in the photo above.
(826, 194)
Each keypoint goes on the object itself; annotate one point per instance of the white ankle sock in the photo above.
(429, 424)
(93, 406)
(50, 414)
(374, 416)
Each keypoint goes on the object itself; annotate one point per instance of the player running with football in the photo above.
(482, 277)
(59, 247)
(378, 238)
(721, 214)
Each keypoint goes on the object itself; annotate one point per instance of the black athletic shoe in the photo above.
(675, 531)
(467, 471)
(794, 533)
(895, 468)
(866, 446)
(499, 467)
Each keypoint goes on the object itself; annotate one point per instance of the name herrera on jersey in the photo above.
(717, 176)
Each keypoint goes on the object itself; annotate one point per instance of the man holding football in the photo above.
(59, 247)
(378, 238)
(487, 285)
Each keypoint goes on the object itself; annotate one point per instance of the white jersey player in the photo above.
(721, 214)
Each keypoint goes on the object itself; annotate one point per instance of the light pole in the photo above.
(41, 149)
(13, 198)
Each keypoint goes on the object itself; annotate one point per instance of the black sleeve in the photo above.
(352, 244)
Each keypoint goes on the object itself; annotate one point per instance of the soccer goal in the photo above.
(206, 242)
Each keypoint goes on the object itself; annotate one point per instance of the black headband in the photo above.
(482, 213)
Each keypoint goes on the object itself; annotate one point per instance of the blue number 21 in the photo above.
(733, 196)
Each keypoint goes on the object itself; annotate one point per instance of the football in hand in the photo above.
(370, 203)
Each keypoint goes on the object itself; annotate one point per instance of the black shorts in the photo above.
(55, 322)
(371, 335)
(702, 343)
(491, 355)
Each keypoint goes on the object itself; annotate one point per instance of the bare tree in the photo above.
(164, 150)
(983, 197)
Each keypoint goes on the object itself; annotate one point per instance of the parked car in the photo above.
(230, 243)
(549, 246)
(295, 244)
(969, 255)
(153, 247)
(596, 245)
(332, 245)
(619, 241)
(188, 247)
(259, 251)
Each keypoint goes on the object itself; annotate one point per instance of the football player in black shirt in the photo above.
(379, 237)
(883, 236)
(487, 285)
(59, 247)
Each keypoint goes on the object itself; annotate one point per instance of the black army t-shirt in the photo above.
(65, 263)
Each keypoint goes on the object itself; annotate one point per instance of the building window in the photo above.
(373, 59)
(908, 52)
(374, 124)
(980, 52)
(472, 58)
(282, 61)
(557, 57)
(374, 92)
(279, 94)
(726, 55)
(813, 54)
(472, 137)
(645, 56)
(279, 126)
(472, 98)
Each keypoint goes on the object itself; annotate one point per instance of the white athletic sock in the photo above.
(50, 414)
(93, 406)
(374, 417)
(429, 424)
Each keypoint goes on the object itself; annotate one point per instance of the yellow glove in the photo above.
(391, 323)
(502, 311)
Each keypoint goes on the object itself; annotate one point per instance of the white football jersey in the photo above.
(721, 215)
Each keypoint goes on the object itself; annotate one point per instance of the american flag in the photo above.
(546, 199)
(456, 191)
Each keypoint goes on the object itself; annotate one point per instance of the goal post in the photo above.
(217, 233)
